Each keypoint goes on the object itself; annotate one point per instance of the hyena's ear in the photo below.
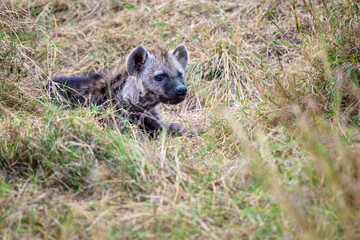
(136, 60)
(181, 54)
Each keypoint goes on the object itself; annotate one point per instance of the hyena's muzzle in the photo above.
(174, 90)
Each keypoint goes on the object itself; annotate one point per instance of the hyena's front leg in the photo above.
(176, 129)
(150, 122)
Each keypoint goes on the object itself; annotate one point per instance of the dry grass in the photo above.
(274, 85)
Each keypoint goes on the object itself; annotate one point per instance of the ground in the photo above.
(273, 91)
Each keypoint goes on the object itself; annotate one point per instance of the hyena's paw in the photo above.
(176, 129)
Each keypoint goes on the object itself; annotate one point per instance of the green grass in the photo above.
(274, 86)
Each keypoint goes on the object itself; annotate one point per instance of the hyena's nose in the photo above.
(181, 90)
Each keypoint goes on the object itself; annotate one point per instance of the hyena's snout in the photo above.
(181, 90)
(173, 93)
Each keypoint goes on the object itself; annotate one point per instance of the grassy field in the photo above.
(273, 84)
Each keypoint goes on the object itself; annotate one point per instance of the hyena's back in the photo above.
(94, 88)
(66, 86)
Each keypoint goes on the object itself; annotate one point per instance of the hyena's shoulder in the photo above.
(96, 88)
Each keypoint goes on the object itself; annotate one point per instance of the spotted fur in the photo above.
(134, 86)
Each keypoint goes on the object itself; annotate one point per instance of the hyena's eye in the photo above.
(180, 75)
(159, 77)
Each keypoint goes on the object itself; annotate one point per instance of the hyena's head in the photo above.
(161, 72)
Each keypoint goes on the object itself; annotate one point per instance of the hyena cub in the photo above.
(135, 88)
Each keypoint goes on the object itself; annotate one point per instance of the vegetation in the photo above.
(274, 86)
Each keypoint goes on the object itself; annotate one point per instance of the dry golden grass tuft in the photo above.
(274, 85)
